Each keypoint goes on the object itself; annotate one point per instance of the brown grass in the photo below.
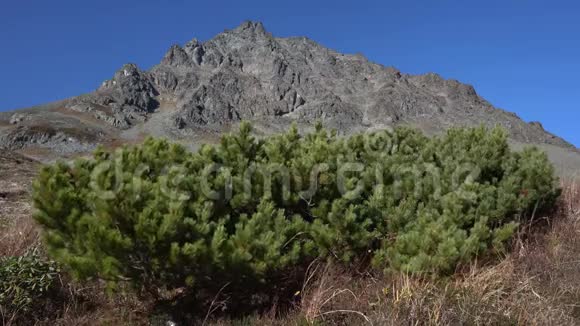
(18, 232)
(90, 306)
(18, 237)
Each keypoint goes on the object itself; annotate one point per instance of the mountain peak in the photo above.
(250, 29)
(253, 26)
(247, 74)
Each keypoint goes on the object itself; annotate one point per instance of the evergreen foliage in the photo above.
(245, 211)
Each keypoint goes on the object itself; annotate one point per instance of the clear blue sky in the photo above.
(521, 55)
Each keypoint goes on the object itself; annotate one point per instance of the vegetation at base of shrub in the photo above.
(245, 212)
(25, 281)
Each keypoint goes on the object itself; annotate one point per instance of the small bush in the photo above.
(247, 211)
(25, 281)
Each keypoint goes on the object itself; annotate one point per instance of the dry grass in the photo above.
(18, 237)
(90, 306)
(18, 232)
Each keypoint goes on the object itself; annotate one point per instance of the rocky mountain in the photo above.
(203, 88)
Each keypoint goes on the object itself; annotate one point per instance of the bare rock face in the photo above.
(123, 101)
(248, 74)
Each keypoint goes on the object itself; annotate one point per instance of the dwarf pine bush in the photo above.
(247, 210)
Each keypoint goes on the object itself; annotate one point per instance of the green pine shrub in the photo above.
(247, 211)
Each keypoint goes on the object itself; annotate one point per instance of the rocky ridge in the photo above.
(248, 74)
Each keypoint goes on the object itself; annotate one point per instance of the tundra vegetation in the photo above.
(386, 227)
